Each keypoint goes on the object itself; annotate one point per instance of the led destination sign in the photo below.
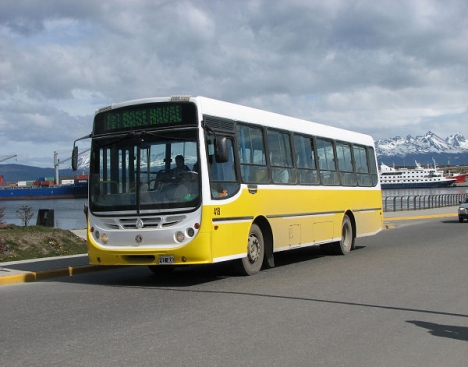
(148, 116)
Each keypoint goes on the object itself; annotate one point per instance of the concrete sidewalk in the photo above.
(40, 269)
(448, 211)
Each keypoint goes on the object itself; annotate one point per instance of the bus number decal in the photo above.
(217, 211)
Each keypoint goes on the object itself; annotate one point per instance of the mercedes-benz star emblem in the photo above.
(139, 223)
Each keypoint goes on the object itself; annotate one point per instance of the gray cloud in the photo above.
(380, 67)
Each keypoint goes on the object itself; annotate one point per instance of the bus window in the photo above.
(373, 166)
(362, 168)
(251, 154)
(305, 160)
(223, 179)
(113, 174)
(345, 164)
(138, 173)
(279, 145)
(326, 157)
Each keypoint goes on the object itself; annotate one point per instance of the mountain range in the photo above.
(397, 151)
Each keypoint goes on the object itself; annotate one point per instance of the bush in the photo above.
(25, 213)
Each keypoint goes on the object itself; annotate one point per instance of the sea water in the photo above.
(68, 213)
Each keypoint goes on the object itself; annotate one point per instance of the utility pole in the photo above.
(56, 166)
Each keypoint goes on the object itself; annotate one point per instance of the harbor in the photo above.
(43, 188)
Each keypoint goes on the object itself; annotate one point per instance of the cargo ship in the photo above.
(45, 188)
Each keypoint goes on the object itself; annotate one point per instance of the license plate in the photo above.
(164, 260)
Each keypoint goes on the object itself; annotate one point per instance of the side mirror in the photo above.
(74, 160)
(222, 151)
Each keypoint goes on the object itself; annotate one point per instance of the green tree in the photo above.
(25, 213)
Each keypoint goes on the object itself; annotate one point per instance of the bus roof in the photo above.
(213, 107)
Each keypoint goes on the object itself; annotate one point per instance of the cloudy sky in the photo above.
(382, 67)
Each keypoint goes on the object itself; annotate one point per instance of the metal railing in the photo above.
(417, 202)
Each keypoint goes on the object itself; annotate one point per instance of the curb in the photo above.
(27, 277)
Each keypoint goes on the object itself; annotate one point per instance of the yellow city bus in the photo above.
(191, 180)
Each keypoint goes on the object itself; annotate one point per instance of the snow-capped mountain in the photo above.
(457, 140)
(452, 150)
(429, 143)
(83, 161)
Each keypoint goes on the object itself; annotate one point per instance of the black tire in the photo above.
(252, 263)
(460, 219)
(346, 244)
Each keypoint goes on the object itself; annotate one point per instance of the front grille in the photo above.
(130, 223)
(148, 222)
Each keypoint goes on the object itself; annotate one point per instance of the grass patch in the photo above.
(33, 242)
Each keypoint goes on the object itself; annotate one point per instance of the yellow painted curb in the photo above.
(27, 277)
(18, 278)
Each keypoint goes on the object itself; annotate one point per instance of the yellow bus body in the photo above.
(296, 218)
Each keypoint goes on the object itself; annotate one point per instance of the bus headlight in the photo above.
(180, 236)
(104, 238)
(190, 232)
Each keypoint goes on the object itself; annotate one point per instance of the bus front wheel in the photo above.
(346, 244)
(252, 263)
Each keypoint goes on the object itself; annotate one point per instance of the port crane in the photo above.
(57, 162)
(4, 158)
(7, 157)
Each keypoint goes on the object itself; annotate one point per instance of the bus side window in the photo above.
(279, 146)
(223, 178)
(373, 166)
(305, 160)
(327, 159)
(252, 156)
(362, 168)
(345, 164)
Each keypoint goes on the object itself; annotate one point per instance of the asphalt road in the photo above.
(400, 299)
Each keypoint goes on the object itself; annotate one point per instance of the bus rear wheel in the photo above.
(252, 263)
(346, 244)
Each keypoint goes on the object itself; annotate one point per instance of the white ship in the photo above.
(419, 177)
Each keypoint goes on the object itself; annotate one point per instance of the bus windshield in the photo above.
(145, 172)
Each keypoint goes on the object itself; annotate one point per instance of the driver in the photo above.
(180, 166)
